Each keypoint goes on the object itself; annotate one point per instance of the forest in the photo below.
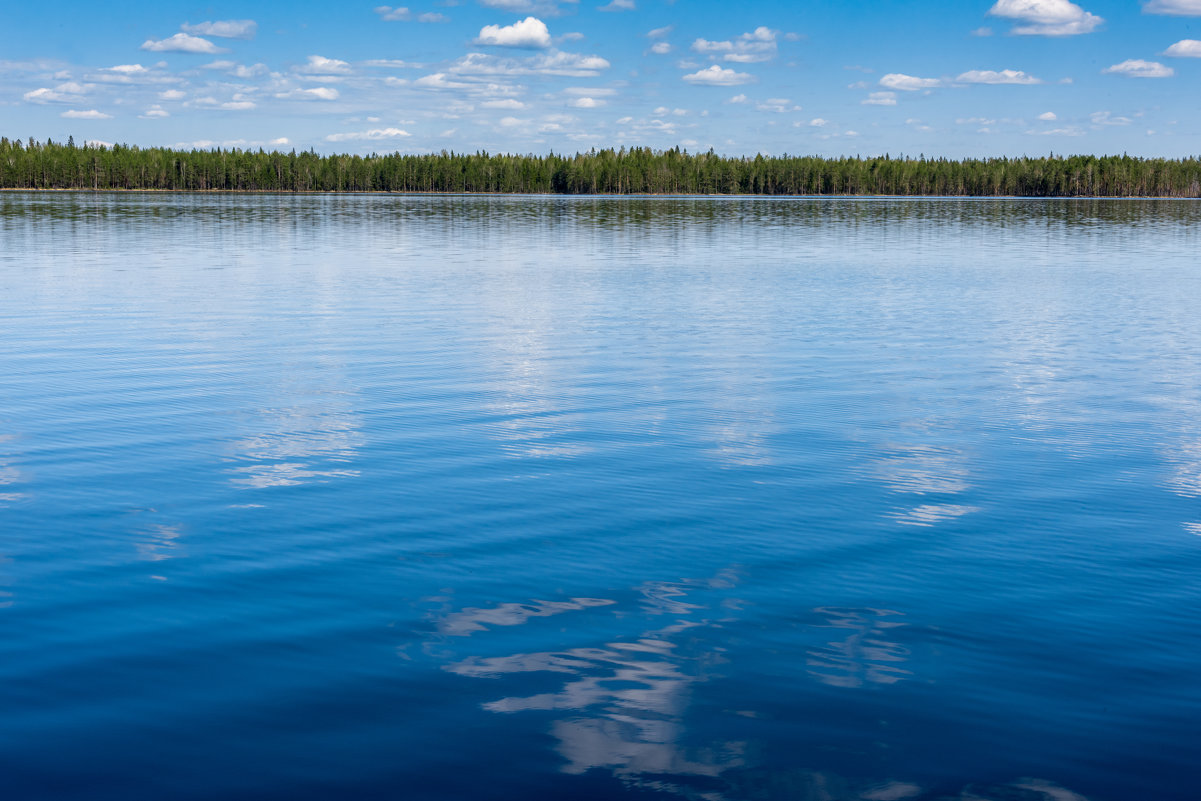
(50, 165)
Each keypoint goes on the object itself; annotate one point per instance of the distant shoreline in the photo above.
(595, 196)
(639, 171)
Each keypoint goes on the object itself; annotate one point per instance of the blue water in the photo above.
(369, 497)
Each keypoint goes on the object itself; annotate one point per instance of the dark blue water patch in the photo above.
(500, 498)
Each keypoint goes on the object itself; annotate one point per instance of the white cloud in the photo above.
(1137, 68)
(182, 43)
(1048, 116)
(530, 32)
(881, 99)
(586, 102)
(618, 5)
(659, 33)
(389, 14)
(572, 65)
(318, 93)
(777, 105)
(718, 76)
(1058, 132)
(90, 114)
(758, 45)
(1176, 8)
(982, 32)
(739, 99)
(237, 105)
(402, 14)
(1046, 17)
(374, 135)
(507, 103)
(172, 94)
(69, 92)
(547, 8)
(283, 140)
(818, 122)
(392, 63)
(1016, 77)
(589, 91)
(1185, 48)
(1107, 118)
(661, 48)
(908, 83)
(320, 65)
(154, 113)
(127, 69)
(226, 29)
(238, 70)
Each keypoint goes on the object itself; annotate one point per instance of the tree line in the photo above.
(51, 165)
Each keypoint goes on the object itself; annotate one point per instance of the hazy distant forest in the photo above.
(50, 165)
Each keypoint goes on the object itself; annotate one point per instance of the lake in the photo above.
(446, 497)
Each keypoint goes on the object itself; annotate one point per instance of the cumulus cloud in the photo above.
(374, 135)
(69, 92)
(777, 105)
(182, 43)
(131, 74)
(127, 69)
(758, 45)
(1176, 8)
(547, 8)
(571, 65)
(618, 5)
(401, 14)
(881, 99)
(718, 76)
(908, 83)
(90, 114)
(507, 103)
(659, 33)
(586, 102)
(530, 33)
(1185, 48)
(317, 93)
(389, 14)
(320, 65)
(154, 113)
(661, 48)
(1016, 77)
(1137, 68)
(1108, 118)
(1046, 17)
(818, 122)
(225, 29)
(1048, 116)
(172, 94)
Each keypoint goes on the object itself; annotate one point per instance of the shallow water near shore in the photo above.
(542, 497)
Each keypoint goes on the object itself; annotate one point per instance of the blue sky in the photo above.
(1006, 77)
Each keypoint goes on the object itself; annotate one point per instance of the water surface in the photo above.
(510, 498)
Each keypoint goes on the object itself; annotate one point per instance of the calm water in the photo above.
(522, 498)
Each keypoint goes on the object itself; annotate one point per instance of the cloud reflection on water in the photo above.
(299, 445)
(621, 705)
(9, 474)
(865, 656)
